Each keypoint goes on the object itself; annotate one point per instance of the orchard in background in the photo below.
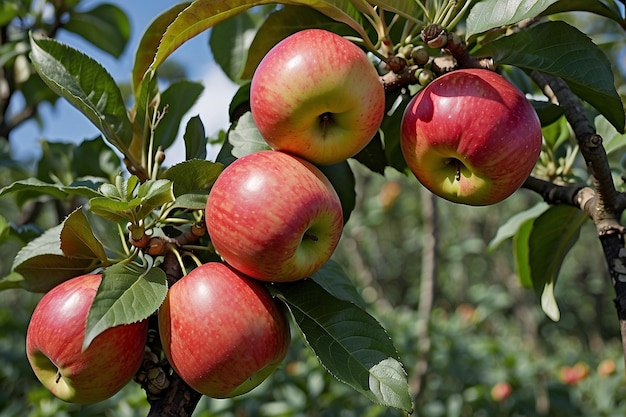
(309, 216)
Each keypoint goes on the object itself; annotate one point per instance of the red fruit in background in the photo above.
(471, 137)
(501, 391)
(274, 217)
(221, 331)
(572, 375)
(54, 342)
(316, 95)
(607, 367)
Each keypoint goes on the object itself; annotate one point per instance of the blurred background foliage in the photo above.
(483, 330)
(474, 342)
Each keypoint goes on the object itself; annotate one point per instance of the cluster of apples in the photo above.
(272, 216)
(469, 136)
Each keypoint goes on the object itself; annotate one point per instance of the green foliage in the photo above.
(490, 14)
(106, 26)
(541, 245)
(128, 294)
(348, 342)
(482, 329)
(87, 86)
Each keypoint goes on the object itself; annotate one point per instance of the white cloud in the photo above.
(212, 107)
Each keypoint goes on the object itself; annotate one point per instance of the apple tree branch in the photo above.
(602, 202)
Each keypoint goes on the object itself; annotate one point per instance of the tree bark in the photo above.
(602, 202)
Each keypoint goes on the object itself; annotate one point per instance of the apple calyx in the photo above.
(309, 236)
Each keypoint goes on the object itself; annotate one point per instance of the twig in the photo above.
(602, 202)
(602, 207)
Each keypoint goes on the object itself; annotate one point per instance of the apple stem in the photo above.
(58, 377)
(325, 120)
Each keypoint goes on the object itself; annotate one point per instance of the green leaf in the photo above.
(176, 101)
(333, 278)
(521, 250)
(86, 85)
(115, 210)
(126, 295)
(548, 113)
(240, 103)
(549, 238)
(390, 128)
(556, 134)
(193, 175)
(106, 26)
(373, 156)
(94, 158)
(195, 139)
(4, 227)
(54, 164)
(43, 265)
(613, 140)
(149, 43)
(342, 179)
(230, 42)
(155, 193)
(77, 239)
(108, 233)
(282, 23)
(349, 343)
(513, 224)
(598, 7)
(11, 281)
(8, 10)
(191, 201)
(549, 304)
(245, 137)
(32, 188)
(561, 50)
(201, 15)
(490, 14)
(126, 201)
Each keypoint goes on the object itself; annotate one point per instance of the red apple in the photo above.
(501, 391)
(221, 331)
(471, 137)
(274, 217)
(54, 342)
(607, 367)
(572, 375)
(316, 95)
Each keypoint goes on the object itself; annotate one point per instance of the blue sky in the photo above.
(64, 123)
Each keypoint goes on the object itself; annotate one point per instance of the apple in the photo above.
(316, 95)
(471, 137)
(221, 331)
(54, 340)
(572, 375)
(273, 216)
(501, 391)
